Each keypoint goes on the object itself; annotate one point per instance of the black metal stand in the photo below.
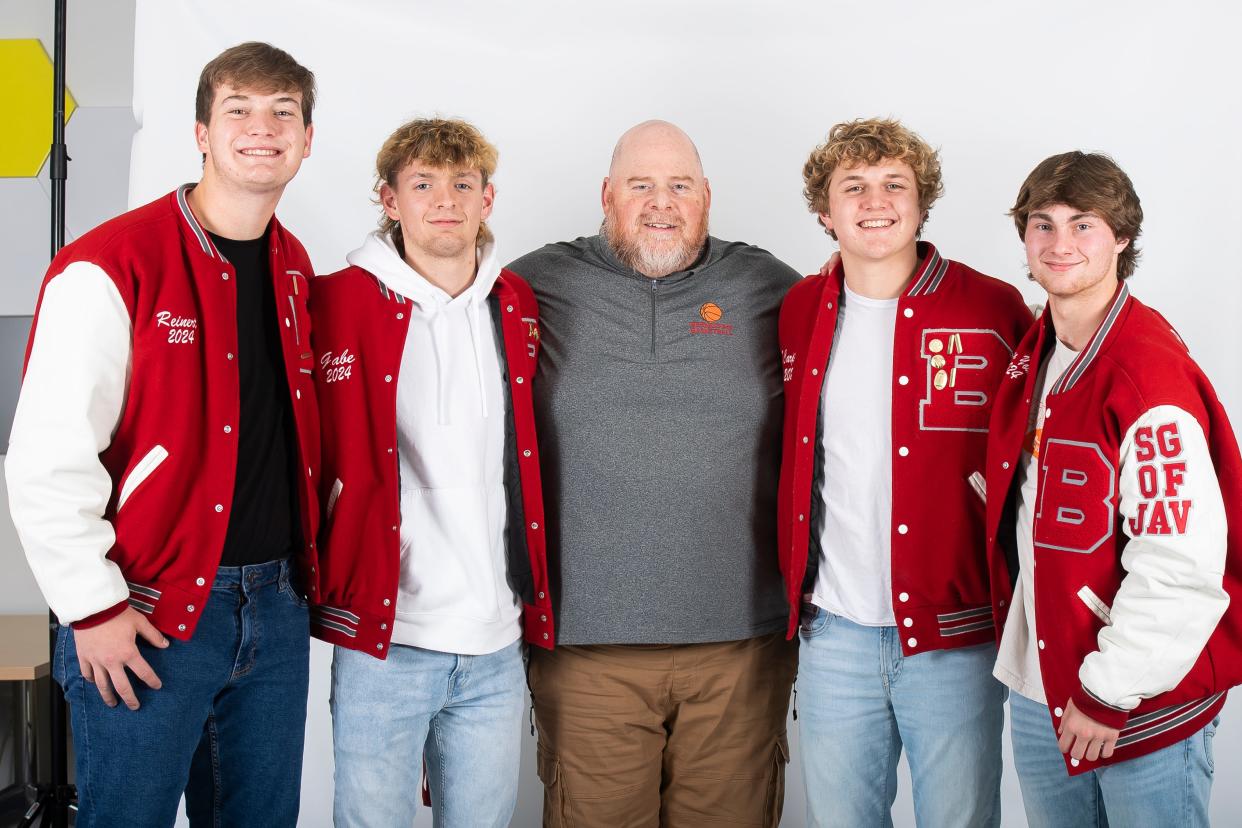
(52, 801)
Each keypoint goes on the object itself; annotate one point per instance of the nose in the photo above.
(661, 198)
(261, 123)
(445, 195)
(1063, 240)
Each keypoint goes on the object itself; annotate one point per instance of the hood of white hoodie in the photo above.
(380, 257)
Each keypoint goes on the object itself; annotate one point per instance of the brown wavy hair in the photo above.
(1092, 183)
(440, 142)
(258, 66)
(865, 142)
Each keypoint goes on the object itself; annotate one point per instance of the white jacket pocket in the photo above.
(140, 473)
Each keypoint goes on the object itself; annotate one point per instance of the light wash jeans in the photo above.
(1170, 787)
(860, 701)
(226, 727)
(461, 714)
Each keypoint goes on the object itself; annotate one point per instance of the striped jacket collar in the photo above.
(201, 236)
(1080, 365)
(927, 278)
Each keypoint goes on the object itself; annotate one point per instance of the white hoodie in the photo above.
(454, 594)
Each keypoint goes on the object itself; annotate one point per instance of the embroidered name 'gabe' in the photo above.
(337, 367)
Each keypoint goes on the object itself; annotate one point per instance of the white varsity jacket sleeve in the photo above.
(70, 403)
(1172, 596)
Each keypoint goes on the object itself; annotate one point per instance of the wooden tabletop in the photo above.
(23, 647)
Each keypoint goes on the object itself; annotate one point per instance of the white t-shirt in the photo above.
(1017, 663)
(855, 566)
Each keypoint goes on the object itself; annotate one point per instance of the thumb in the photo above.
(148, 631)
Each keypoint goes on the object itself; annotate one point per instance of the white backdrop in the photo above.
(998, 86)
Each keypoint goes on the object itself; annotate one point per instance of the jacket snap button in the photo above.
(534, 525)
(543, 618)
(913, 642)
(541, 595)
(902, 529)
(903, 597)
(387, 377)
(200, 581)
(903, 451)
(401, 316)
(519, 380)
(903, 380)
(1005, 464)
(509, 308)
(383, 626)
(387, 602)
(181, 627)
(224, 276)
(1041, 643)
(1058, 712)
(219, 507)
(545, 636)
(189, 608)
(526, 452)
(379, 646)
(815, 372)
(909, 622)
(907, 313)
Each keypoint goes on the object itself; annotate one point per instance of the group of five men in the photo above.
(431, 460)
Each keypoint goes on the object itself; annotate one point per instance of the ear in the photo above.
(603, 195)
(200, 136)
(388, 200)
(707, 190)
(310, 133)
(826, 220)
(1121, 245)
(489, 197)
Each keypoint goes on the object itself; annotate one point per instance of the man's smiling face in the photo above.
(255, 140)
(874, 210)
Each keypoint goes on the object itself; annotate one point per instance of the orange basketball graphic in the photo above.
(711, 312)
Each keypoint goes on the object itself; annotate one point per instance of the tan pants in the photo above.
(691, 735)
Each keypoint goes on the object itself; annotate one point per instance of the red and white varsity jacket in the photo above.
(123, 455)
(955, 332)
(1137, 530)
(360, 333)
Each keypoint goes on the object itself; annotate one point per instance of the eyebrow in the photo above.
(462, 174)
(246, 99)
(1075, 217)
(857, 177)
(634, 178)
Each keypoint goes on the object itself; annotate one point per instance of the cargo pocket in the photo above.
(555, 812)
(776, 783)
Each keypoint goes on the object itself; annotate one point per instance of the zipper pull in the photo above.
(795, 704)
(532, 714)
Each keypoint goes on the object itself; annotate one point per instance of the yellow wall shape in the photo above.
(26, 107)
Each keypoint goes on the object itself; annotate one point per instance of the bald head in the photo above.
(656, 200)
(659, 138)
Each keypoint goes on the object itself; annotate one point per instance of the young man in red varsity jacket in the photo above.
(890, 362)
(162, 472)
(1114, 499)
(433, 567)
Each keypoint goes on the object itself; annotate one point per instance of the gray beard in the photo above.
(654, 264)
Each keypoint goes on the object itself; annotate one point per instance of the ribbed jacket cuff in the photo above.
(1091, 705)
(101, 616)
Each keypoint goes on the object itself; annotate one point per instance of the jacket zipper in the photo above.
(140, 472)
(655, 283)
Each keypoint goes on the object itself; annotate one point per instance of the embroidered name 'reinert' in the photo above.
(181, 329)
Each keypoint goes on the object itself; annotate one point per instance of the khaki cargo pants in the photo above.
(693, 735)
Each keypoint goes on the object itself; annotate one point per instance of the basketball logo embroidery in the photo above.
(711, 314)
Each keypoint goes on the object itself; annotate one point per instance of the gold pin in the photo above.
(937, 361)
(953, 379)
(935, 346)
(941, 380)
(955, 343)
(295, 285)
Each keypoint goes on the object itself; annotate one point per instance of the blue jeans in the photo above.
(461, 714)
(861, 701)
(226, 728)
(1169, 787)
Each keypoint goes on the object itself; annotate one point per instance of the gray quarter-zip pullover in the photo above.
(658, 405)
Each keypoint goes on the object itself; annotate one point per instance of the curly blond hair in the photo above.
(440, 142)
(866, 142)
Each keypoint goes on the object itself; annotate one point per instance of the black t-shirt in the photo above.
(264, 518)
